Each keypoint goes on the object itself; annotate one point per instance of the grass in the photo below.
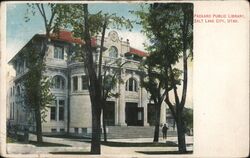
(72, 153)
(48, 144)
(143, 144)
(163, 152)
(11, 140)
(67, 136)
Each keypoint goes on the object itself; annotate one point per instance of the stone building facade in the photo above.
(71, 109)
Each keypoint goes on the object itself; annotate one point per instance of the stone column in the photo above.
(79, 80)
(71, 82)
(57, 109)
(144, 105)
(101, 118)
(121, 120)
(163, 114)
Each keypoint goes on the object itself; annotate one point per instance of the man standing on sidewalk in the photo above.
(164, 131)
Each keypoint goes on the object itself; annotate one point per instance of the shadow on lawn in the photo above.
(73, 153)
(141, 144)
(163, 152)
(48, 144)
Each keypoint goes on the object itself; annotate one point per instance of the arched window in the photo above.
(58, 82)
(113, 52)
(131, 85)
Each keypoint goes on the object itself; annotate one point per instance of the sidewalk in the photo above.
(78, 145)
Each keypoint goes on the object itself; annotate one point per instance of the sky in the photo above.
(20, 32)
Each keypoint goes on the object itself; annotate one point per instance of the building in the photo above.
(72, 108)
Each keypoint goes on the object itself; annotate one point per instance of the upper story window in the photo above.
(113, 52)
(58, 52)
(75, 83)
(58, 82)
(84, 82)
(20, 66)
(131, 85)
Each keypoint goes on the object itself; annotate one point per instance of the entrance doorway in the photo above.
(134, 114)
(151, 114)
(109, 114)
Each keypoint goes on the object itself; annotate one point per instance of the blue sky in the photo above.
(20, 32)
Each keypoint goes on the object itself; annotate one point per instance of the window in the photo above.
(113, 52)
(61, 113)
(62, 130)
(58, 82)
(75, 83)
(61, 110)
(53, 130)
(84, 130)
(52, 113)
(19, 65)
(12, 111)
(76, 130)
(57, 110)
(58, 52)
(84, 82)
(139, 115)
(131, 85)
(61, 102)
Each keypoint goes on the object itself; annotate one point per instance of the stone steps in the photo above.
(134, 132)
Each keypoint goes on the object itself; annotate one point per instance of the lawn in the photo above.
(48, 144)
(135, 144)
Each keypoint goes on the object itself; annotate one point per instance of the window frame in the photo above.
(58, 55)
(75, 83)
(61, 106)
(85, 83)
(55, 116)
(131, 85)
(58, 82)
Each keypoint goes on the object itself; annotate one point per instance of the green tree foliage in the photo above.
(169, 28)
(188, 119)
(37, 91)
(154, 81)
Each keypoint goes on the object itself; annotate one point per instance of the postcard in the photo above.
(124, 79)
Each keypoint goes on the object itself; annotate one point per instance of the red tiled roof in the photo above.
(67, 36)
(138, 52)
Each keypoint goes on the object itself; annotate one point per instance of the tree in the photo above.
(111, 76)
(86, 25)
(36, 88)
(37, 95)
(169, 27)
(154, 81)
(109, 81)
